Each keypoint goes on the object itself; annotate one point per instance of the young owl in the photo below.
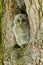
(21, 29)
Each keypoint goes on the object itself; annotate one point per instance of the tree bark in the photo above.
(33, 53)
(35, 13)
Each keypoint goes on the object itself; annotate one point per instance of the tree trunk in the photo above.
(35, 14)
(32, 54)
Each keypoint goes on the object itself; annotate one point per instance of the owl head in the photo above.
(20, 20)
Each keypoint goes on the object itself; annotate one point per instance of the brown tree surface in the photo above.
(32, 53)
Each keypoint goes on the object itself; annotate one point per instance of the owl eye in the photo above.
(18, 20)
(23, 20)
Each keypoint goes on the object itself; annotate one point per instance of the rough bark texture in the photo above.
(35, 13)
(32, 54)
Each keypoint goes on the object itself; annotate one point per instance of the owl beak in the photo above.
(20, 22)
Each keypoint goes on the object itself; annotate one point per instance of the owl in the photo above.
(21, 29)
